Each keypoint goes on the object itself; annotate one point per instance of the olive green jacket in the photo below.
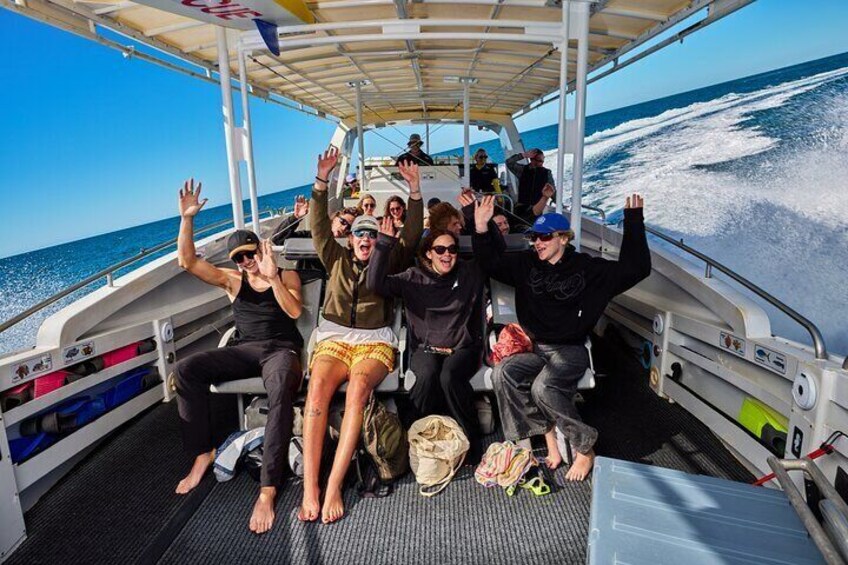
(347, 300)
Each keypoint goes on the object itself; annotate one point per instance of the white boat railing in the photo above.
(812, 329)
(108, 273)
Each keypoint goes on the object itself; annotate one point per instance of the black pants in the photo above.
(279, 365)
(443, 386)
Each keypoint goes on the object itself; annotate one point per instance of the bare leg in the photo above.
(583, 463)
(554, 458)
(327, 375)
(364, 376)
(201, 463)
(263, 511)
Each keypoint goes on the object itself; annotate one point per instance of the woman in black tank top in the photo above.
(258, 316)
(265, 301)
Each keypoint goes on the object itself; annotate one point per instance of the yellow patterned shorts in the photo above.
(351, 354)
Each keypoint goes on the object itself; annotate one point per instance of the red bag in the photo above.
(511, 341)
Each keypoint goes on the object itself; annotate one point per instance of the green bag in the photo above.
(385, 441)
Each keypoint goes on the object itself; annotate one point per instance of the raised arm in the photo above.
(288, 225)
(328, 249)
(189, 205)
(467, 200)
(547, 194)
(498, 265)
(285, 284)
(512, 163)
(634, 260)
(411, 232)
(378, 278)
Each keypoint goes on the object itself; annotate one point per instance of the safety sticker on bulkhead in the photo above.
(31, 367)
(732, 343)
(770, 358)
(78, 352)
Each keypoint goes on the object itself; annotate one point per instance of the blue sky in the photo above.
(92, 142)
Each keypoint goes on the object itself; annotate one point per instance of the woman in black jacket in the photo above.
(443, 302)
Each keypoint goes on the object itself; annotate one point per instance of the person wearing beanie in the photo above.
(266, 301)
(354, 342)
(560, 294)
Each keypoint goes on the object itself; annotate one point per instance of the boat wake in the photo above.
(754, 180)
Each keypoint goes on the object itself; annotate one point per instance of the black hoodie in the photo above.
(561, 303)
(442, 310)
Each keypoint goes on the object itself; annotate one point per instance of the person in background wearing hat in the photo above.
(413, 152)
(351, 186)
(484, 175)
(355, 342)
(560, 294)
(266, 301)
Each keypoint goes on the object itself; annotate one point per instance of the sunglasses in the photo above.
(396, 209)
(482, 156)
(369, 205)
(540, 236)
(344, 222)
(369, 234)
(442, 249)
(242, 255)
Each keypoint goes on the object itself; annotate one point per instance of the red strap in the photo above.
(825, 449)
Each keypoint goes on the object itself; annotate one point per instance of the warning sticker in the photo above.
(770, 358)
(732, 343)
(31, 367)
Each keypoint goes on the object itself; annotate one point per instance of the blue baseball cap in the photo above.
(550, 223)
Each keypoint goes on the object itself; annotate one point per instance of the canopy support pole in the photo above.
(227, 96)
(360, 136)
(563, 120)
(466, 152)
(247, 130)
(580, 11)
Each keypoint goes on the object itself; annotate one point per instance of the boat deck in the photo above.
(119, 504)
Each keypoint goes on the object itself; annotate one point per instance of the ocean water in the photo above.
(753, 172)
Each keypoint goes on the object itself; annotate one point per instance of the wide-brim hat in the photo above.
(414, 139)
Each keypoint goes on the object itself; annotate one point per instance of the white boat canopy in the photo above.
(378, 62)
(410, 54)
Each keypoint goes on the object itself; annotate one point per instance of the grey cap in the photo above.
(365, 223)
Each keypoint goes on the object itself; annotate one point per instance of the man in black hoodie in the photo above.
(560, 294)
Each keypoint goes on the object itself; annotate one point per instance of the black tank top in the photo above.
(258, 316)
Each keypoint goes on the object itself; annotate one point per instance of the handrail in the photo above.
(603, 222)
(818, 340)
(107, 272)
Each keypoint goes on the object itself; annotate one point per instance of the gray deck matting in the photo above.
(116, 502)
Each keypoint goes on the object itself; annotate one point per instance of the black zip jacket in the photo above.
(561, 303)
(442, 310)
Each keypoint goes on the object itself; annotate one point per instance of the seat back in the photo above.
(310, 316)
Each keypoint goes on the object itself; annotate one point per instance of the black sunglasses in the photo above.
(368, 205)
(441, 249)
(344, 222)
(540, 236)
(242, 255)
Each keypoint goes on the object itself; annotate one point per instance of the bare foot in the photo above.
(201, 463)
(310, 508)
(583, 463)
(333, 506)
(554, 458)
(263, 511)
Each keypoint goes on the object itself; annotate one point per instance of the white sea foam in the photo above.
(782, 223)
